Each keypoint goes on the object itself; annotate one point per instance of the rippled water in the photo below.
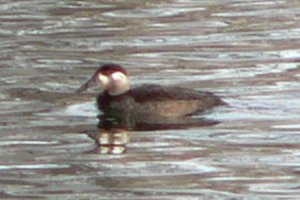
(247, 52)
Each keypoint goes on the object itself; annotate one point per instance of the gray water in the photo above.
(246, 52)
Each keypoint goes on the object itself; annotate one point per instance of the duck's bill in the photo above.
(90, 83)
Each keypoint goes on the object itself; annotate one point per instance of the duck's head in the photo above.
(111, 77)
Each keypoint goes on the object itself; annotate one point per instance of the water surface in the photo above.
(247, 52)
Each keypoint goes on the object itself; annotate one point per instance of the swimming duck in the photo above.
(147, 102)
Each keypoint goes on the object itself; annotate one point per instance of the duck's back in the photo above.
(156, 100)
(151, 92)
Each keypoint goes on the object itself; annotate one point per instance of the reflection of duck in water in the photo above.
(146, 103)
(112, 141)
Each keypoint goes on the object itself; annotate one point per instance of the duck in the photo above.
(147, 102)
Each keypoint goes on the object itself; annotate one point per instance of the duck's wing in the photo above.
(160, 93)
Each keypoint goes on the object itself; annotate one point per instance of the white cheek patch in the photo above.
(104, 80)
(118, 77)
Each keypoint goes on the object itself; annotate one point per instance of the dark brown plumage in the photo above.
(156, 100)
